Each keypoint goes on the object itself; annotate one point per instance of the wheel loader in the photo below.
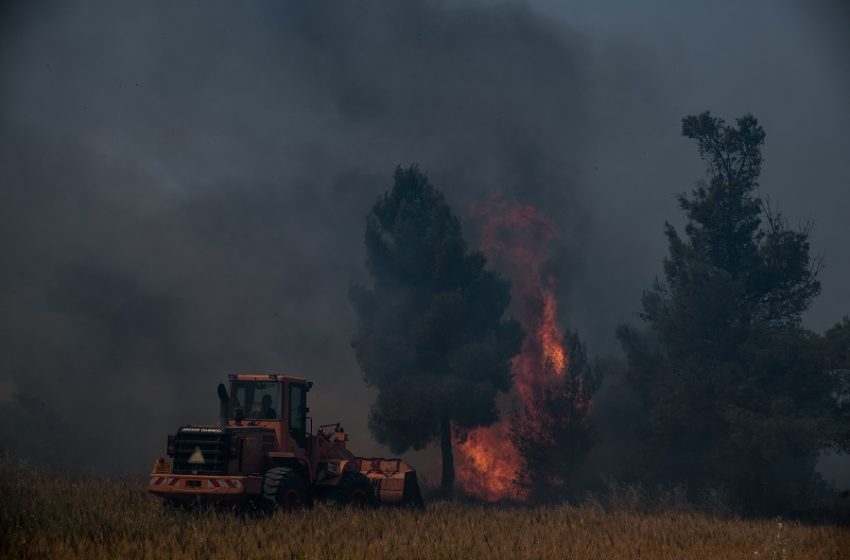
(263, 454)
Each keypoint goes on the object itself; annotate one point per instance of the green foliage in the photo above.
(737, 393)
(430, 335)
(836, 348)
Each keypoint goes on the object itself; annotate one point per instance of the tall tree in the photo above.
(431, 335)
(736, 391)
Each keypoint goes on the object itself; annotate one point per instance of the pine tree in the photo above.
(553, 433)
(431, 335)
(736, 391)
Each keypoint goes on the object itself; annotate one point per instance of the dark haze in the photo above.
(184, 184)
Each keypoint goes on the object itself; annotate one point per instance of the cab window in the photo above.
(297, 412)
(257, 400)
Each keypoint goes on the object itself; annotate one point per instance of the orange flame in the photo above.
(484, 450)
(514, 239)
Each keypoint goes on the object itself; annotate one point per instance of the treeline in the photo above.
(733, 393)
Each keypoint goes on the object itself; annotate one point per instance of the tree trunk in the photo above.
(448, 482)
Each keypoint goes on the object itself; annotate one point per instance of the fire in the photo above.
(514, 239)
(551, 336)
(483, 450)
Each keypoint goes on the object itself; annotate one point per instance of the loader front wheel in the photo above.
(354, 490)
(284, 489)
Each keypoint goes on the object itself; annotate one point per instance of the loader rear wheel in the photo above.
(284, 489)
(354, 490)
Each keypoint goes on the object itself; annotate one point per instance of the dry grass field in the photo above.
(50, 517)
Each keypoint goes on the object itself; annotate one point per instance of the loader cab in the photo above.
(276, 401)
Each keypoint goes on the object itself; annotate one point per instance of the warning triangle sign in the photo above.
(197, 457)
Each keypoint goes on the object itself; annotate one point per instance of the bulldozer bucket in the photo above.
(393, 481)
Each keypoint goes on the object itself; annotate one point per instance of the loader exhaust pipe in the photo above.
(223, 402)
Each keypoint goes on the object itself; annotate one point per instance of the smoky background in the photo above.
(183, 185)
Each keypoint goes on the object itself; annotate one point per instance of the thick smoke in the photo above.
(183, 185)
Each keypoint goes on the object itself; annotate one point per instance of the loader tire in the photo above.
(354, 490)
(284, 489)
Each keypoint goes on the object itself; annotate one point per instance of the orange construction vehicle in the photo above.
(262, 454)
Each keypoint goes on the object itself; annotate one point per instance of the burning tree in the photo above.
(545, 429)
(552, 431)
(431, 336)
